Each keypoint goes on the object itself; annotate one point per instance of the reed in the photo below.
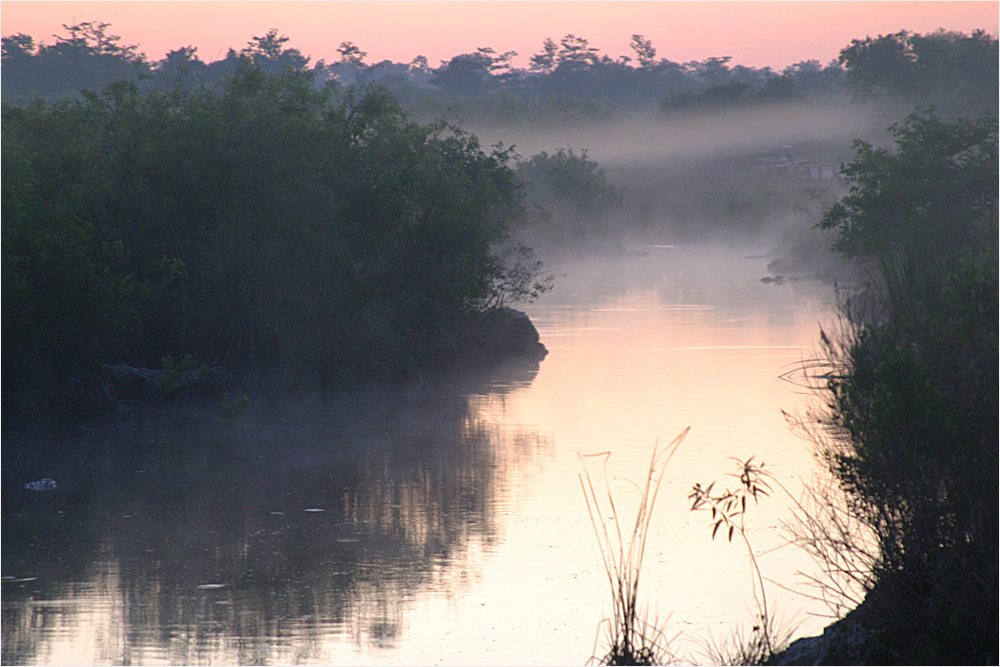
(632, 639)
(728, 509)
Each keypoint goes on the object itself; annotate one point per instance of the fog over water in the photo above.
(646, 140)
(439, 524)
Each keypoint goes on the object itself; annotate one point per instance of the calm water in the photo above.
(440, 525)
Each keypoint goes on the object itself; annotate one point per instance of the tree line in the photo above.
(568, 80)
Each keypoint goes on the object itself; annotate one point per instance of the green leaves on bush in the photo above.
(914, 395)
(256, 221)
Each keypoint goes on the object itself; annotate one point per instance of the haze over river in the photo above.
(441, 525)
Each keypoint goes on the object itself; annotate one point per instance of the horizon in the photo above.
(680, 31)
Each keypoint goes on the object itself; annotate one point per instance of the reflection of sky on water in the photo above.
(453, 527)
(189, 539)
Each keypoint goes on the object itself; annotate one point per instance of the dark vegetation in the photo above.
(632, 639)
(913, 392)
(258, 221)
(571, 198)
(733, 190)
(259, 210)
(566, 82)
(952, 71)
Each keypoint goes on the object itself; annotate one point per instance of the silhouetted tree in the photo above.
(545, 62)
(575, 53)
(351, 54)
(948, 69)
(645, 53)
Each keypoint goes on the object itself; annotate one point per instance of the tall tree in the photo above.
(645, 53)
(576, 52)
(545, 61)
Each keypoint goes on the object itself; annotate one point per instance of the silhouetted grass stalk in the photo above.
(632, 640)
(729, 512)
(844, 549)
(824, 524)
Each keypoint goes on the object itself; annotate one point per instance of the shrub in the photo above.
(914, 388)
(257, 221)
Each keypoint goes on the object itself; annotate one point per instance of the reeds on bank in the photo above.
(632, 638)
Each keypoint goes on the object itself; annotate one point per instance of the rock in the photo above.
(44, 484)
(125, 382)
(860, 638)
(506, 333)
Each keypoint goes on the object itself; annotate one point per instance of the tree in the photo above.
(94, 37)
(880, 66)
(576, 53)
(574, 188)
(949, 69)
(545, 62)
(645, 53)
(472, 72)
(714, 70)
(269, 53)
(913, 387)
(18, 46)
(814, 80)
(88, 58)
(350, 54)
(924, 204)
(258, 221)
(181, 65)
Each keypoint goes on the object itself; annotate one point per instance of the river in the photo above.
(438, 525)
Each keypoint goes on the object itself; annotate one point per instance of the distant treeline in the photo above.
(263, 220)
(568, 81)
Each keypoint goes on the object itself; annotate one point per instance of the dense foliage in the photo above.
(572, 196)
(568, 81)
(951, 70)
(916, 393)
(257, 221)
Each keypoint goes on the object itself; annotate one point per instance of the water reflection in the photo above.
(445, 525)
(185, 538)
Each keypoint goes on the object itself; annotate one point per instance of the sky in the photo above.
(753, 33)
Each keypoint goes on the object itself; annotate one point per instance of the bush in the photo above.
(573, 191)
(914, 393)
(254, 222)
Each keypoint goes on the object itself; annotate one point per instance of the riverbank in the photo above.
(488, 343)
(454, 528)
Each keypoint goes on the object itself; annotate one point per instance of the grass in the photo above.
(632, 639)
(728, 508)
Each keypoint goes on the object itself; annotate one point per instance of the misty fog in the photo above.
(302, 360)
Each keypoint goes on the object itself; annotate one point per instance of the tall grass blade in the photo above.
(632, 638)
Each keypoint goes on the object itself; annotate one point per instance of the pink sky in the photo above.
(753, 33)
